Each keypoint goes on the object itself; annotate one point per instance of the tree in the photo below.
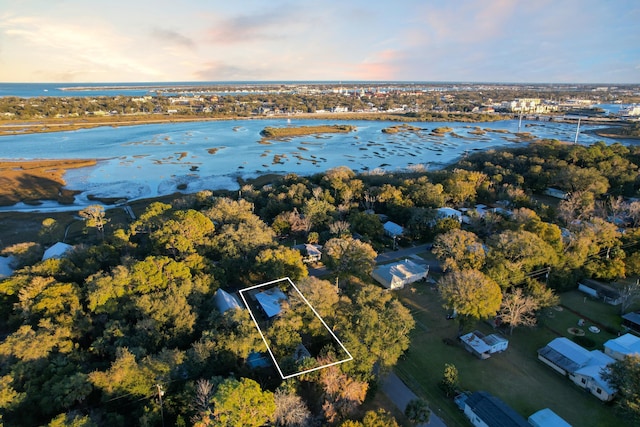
(94, 216)
(624, 376)
(349, 256)
(279, 262)
(518, 309)
(48, 231)
(342, 393)
(417, 411)
(183, 233)
(471, 294)
(459, 250)
(291, 411)
(630, 294)
(449, 382)
(242, 404)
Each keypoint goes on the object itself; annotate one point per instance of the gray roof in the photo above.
(225, 301)
(494, 412)
(565, 354)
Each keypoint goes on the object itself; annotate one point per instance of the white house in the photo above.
(58, 250)
(547, 418)
(392, 229)
(483, 346)
(485, 410)
(622, 346)
(580, 365)
(396, 275)
(225, 301)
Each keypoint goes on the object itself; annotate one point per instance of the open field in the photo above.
(30, 181)
(516, 376)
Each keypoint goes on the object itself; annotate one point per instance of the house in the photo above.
(485, 410)
(631, 321)
(270, 300)
(392, 229)
(310, 253)
(483, 346)
(448, 213)
(547, 418)
(558, 194)
(580, 365)
(225, 301)
(622, 346)
(396, 275)
(600, 290)
(57, 251)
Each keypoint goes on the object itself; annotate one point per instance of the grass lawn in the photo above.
(516, 376)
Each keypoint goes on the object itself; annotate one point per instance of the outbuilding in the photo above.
(625, 345)
(547, 418)
(485, 410)
(483, 346)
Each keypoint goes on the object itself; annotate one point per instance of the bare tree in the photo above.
(518, 309)
(339, 228)
(291, 411)
(630, 294)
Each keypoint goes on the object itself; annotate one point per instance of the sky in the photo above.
(518, 41)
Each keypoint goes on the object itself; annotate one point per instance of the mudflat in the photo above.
(30, 181)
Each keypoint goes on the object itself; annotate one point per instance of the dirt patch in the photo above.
(35, 180)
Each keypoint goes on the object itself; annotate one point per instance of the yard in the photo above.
(516, 376)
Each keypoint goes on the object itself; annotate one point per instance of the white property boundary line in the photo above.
(275, 362)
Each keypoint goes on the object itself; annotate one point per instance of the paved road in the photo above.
(398, 392)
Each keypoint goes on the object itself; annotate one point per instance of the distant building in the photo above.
(449, 213)
(601, 291)
(631, 321)
(392, 229)
(225, 301)
(59, 250)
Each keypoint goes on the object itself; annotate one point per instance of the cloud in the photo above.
(173, 37)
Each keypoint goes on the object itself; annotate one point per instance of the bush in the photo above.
(585, 342)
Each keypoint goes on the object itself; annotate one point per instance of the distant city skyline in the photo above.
(511, 41)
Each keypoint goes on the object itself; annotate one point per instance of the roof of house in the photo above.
(5, 266)
(399, 272)
(449, 212)
(565, 354)
(270, 301)
(393, 228)
(493, 411)
(56, 251)
(633, 317)
(475, 342)
(313, 250)
(594, 371)
(547, 418)
(625, 344)
(225, 301)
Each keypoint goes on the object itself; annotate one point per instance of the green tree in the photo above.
(471, 294)
(349, 256)
(275, 263)
(183, 233)
(417, 411)
(95, 217)
(624, 376)
(49, 230)
(242, 404)
(449, 382)
(459, 250)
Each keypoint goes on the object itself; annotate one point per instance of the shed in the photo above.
(270, 300)
(600, 290)
(622, 346)
(547, 418)
(483, 346)
(449, 213)
(225, 301)
(392, 229)
(485, 410)
(58, 250)
(399, 274)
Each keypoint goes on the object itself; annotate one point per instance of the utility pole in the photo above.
(160, 394)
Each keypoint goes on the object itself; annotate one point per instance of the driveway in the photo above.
(398, 392)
